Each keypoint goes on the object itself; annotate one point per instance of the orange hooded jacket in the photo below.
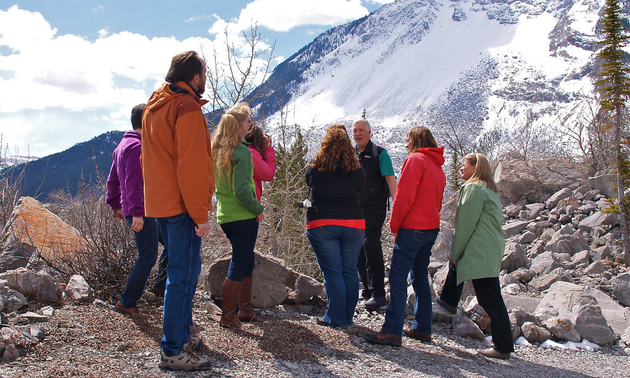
(177, 161)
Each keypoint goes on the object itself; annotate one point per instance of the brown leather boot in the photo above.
(229, 297)
(246, 308)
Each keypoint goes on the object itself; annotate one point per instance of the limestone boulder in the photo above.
(563, 329)
(78, 290)
(535, 333)
(465, 327)
(590, 323)
(537, 180)
(621, 288)
(514, 257)
(32, 230)
(562, 297)
(273, 282)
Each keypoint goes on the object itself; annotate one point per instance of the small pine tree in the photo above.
(614, 88)
(454, 179)
(363, 114)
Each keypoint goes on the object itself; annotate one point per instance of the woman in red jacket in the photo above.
(415, 223)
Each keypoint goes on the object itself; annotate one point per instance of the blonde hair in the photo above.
(482, 172)
(336, 151)
(227, 138)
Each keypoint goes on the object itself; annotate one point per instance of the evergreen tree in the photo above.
(614, 88)
(454, 179)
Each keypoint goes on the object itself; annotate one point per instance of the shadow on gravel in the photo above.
(440, 360)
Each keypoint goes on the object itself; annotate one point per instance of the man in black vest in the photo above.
(379, 185)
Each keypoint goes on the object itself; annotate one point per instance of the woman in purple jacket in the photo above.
(126, 198)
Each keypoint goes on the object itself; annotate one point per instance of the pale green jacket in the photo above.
(478, 244)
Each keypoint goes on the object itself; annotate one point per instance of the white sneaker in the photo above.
(186, 360)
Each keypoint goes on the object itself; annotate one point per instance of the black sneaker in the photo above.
(377, 301)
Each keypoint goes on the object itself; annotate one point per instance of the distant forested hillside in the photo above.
(64, 170)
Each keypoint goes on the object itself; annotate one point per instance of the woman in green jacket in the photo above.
(238, 212)
(477, 250)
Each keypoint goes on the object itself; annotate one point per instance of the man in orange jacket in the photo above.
(178, 172)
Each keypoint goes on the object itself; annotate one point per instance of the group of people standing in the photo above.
(347, 181)
(166, 171)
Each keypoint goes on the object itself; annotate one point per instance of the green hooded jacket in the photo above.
(237, 198)
(478, 244)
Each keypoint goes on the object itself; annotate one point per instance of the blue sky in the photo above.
(73, 69)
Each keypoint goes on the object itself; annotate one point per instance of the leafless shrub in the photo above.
(112, 251)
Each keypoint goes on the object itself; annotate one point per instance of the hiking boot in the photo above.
(417, 335)
(157, 291)
(383, 338)
(377, 301)
(132, 311)
(193, 344)
(493, 353)
(186, 360)
(451, 309)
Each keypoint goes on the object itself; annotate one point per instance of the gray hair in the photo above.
(367, 124)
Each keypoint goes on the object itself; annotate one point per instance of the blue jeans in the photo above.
(160, 279)
(184, 266)
(242, 235)
(412, 251)
(337, 251)
(147, 243)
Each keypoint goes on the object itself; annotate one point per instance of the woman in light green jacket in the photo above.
(477, 250)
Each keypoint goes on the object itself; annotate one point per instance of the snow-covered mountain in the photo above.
(472, 66)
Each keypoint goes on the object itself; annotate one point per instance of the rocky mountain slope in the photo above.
(472, 66)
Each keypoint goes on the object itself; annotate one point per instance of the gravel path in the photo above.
(94, 341)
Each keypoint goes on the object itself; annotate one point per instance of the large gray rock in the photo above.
(598, 219)
(537, 180)
(563, 329)
(557, 197)
(514, 257)
(39, 284)
(535, 333)
(621, 288)
(441, 250)
(600, 253)
(563, 296)
(513, 228)
(605, 184)
(465, 327)
(567, 240)
(590, 322)
(273, 282)
(78, 290)
(544, 263)
(544, 281)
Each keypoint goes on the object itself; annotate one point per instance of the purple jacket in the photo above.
(124, 183)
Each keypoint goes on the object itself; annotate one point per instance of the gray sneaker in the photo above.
(193, 344)
(186, 360)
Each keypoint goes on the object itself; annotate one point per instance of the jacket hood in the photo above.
(168, 91)
(436, 154)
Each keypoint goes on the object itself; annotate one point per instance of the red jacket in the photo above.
(420, 189)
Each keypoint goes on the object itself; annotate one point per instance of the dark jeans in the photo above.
(184, 266)
(147, 243)
(488, 291)
(337, 249)
(242, 235)
(160, 279)
(370, 264)
(412, 252)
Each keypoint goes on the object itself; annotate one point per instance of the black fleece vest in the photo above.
(375, 192)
